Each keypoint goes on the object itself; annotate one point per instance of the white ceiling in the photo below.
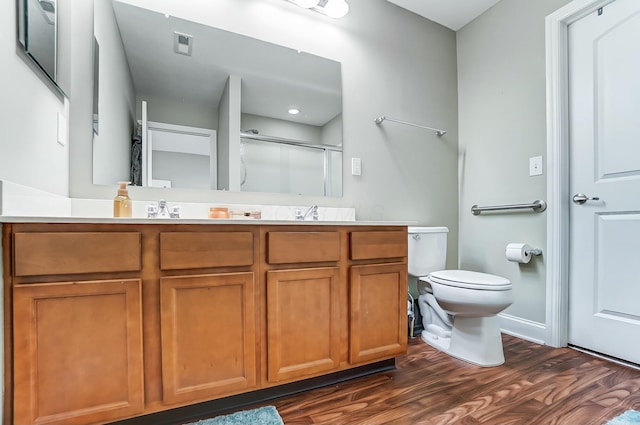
(452, 14)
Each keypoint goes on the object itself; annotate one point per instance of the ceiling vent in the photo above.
(182, 43)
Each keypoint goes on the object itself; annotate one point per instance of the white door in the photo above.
(181, 157)
(604, 133)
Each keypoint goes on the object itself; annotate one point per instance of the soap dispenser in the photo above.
(122, 202)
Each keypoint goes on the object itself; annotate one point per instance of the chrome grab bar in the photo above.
(536, 206)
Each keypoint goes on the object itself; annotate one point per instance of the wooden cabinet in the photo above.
(77, 352)
(378, 295)
(208, 336)
(208, 321)
(220, 309)
(77, 345)
(378, 311)
(302, 322)
(303, 302)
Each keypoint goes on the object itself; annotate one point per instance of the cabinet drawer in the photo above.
(193, 250)
(39, 254)
(302, 247)
(383, 244)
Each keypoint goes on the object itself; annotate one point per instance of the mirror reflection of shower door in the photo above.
(334, 182)
(299, 170)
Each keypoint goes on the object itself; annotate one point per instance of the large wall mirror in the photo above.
(185, 105)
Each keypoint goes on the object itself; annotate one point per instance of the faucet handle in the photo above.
(299, 215)
(152, 211)
(174, 211)
(314, 215)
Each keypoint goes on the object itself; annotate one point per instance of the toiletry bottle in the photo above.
(122, 202)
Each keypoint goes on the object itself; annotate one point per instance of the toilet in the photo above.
(459, 308)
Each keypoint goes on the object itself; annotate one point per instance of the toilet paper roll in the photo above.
(518, 253)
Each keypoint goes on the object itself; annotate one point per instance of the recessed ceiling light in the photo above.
(294, 111)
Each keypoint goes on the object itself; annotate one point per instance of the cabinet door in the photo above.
(77, 352)
(378, 310)
(208, 336)
(302, 322)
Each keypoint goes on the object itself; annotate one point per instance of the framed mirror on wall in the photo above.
(183, 72)
(38, 35)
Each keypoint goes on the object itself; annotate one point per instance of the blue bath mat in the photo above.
(630, 417)
(264, 416)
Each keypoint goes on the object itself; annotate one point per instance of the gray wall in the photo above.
(393, 63)
(176, 111)
(281, 128)
(501, 97)
(29, 152)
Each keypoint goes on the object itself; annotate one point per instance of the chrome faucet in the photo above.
(162, 210)
(313, 210)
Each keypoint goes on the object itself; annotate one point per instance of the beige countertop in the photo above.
(25, 219)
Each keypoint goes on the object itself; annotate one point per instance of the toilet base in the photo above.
(476, 340)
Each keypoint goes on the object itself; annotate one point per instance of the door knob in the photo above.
(581, 198)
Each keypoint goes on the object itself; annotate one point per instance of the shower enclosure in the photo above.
(301, 168)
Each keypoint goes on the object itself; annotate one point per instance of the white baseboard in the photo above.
(523, 328)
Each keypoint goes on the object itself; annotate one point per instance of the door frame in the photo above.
(556, 49)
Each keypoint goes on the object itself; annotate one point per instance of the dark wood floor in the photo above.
(537, 385)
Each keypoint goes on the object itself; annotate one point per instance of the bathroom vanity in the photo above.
(116, 319)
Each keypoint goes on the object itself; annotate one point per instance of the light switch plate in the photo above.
(356, 167)
(535, 166)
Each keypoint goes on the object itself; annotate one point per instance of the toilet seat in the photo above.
(470, 280)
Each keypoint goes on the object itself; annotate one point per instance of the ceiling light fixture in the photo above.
(336, 8)
(330, 8)
(294, 111)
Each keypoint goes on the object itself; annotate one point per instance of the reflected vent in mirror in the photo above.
(182, 43)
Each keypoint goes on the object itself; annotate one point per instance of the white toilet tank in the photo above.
(427, 250)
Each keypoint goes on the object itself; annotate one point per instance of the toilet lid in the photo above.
(471, 280)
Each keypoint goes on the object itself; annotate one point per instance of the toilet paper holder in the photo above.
(534, 251)
(521, 252)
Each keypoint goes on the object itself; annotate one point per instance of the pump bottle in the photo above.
(122, 202)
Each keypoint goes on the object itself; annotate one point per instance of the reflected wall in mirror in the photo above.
(37, 20)
(96, 82)
(234, 87)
